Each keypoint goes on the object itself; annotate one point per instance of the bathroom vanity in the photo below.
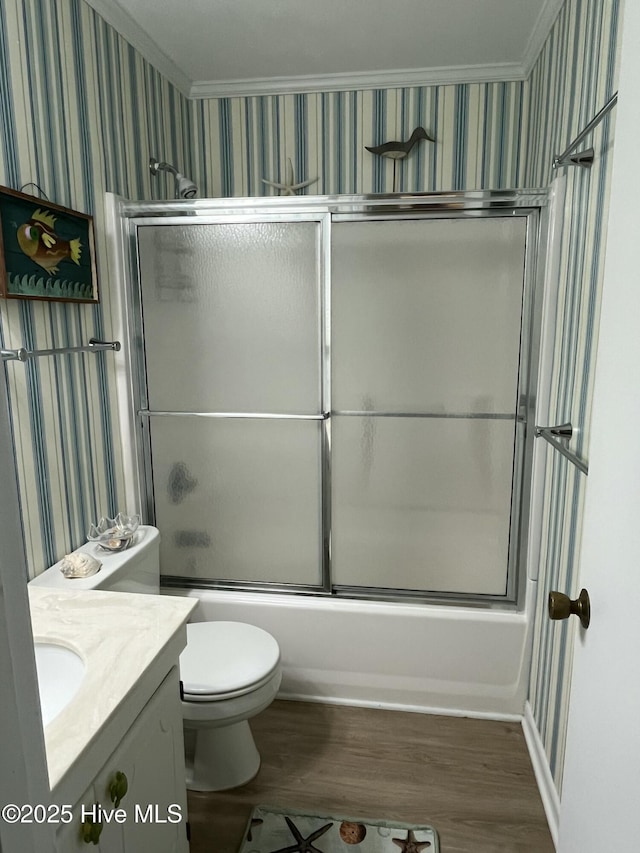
(122, 727)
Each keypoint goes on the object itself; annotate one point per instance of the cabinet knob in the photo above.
(118, 787)
(561, 607)
(91, 830)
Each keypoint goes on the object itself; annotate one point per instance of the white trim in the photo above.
(121, 21)
(542, 772)
(436, 710)
(116, 265)
(23, 777)
(546, 20)
(396, 79)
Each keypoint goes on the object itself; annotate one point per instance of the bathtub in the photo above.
(426, 658)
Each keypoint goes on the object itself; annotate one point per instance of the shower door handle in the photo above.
(561, 607)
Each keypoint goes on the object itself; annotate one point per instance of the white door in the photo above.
(600, 809)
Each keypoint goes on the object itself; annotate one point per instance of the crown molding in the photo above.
(117, 17)
(396, 79)
(546, 20)
(121, 21)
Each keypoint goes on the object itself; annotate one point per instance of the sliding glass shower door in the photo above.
(425, 367)
(232, 337)
(331, 401)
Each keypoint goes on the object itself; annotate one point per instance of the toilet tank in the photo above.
(137, 569)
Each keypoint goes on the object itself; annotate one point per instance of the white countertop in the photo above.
(119, 635)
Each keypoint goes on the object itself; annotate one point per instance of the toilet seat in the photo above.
(224, 660)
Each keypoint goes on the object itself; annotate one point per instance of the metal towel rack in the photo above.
(583, 158)
(23, 354)
(556, 436)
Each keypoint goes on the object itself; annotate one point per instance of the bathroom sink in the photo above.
(60, 673)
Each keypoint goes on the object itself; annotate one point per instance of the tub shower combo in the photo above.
(330, 409)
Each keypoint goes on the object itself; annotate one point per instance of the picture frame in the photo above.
(47, 251)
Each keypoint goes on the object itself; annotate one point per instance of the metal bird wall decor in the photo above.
(399, 150)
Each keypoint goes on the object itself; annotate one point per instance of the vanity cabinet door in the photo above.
(152, 814)
(151, 757)
(69, 836)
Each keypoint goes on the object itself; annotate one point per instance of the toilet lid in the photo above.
(226, 657)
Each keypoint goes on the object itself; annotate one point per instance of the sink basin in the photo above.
(60, 673)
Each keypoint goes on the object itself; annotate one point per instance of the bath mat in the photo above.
(273, 830)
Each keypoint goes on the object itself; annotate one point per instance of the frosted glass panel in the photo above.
(231, 316)
(426, 315)
(238, 499)
(422, 503)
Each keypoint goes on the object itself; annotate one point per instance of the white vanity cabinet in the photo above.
(153, 813)
(125, 716)
(68, 836)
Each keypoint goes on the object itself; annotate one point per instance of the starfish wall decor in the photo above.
(289, 187)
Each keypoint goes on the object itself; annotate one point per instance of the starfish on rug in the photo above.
(303, 845)
(409, 844)
(255, 821)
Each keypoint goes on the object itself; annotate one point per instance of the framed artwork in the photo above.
(46, 251)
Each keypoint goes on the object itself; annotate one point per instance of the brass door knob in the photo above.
(561, 607)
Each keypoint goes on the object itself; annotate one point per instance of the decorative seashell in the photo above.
(79, 565)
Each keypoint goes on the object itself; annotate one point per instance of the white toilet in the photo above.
(230, 671)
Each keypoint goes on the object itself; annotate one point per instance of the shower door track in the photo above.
(531, 204)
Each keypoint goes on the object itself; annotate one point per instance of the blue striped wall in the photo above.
(572, 79)
(477, 127)
(81, 113)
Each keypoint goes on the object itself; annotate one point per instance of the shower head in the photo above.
(183, 187)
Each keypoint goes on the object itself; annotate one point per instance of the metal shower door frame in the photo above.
(531, 204)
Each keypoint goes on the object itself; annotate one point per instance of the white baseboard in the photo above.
(398, 706)
(542, 771)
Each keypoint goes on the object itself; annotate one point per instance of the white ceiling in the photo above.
(211, 48)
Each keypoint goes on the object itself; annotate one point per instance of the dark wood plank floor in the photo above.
(470, 779)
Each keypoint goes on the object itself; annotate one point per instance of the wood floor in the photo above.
(470, 779)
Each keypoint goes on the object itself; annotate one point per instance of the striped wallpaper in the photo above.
(240, 141)
(80, 114)
(572, 79)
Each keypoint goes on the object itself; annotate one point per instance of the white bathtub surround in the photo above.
(411, 657)
(124, 640)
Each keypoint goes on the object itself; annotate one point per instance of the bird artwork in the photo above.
(289, 187)
(399, 150)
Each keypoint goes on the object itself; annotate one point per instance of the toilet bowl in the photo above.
(230, 671)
